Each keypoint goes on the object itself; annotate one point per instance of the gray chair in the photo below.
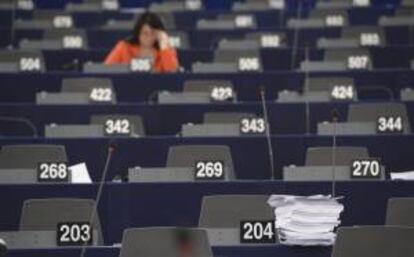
(164, 241)
(135, 121)
(63, 34)
(239, 56)
(326, 14)
(45, 214)
(207, 86)
(322, 156)
(369, 112)
(400, 212)
(22, 61)
(226, 117)
(227, 211)
(269, 40)
(29, 156)
(374, 241)
(86, 85)
(345, 55)
(327, 83)
(356, 32)
(187, 155)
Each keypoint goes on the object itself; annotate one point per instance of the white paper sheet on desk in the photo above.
(408, 175)
(80, 174)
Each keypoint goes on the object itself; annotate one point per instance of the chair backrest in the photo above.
(96, 88)
(71, 38)
(188, 155)
(358, 58)
(24, 60)
(374, 241)
(400, 212)
(165, 242)
(205, 85)
(45, 214)
(327, 83)
(369, 112)
(367, 35)
(322, 156)
(29, 156)
(226, 117)
(134, 123)
(227, 211)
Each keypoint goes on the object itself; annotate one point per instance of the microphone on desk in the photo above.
(295, 43)
(24, 121)
(268, 132)
(111, 148)
(306, 94)
(334, 115)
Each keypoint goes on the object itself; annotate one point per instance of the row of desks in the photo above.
(250, 155)
(178, 204)
(167, 120)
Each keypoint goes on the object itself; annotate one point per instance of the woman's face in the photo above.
(147, 36)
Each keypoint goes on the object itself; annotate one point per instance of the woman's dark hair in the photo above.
(147, 18)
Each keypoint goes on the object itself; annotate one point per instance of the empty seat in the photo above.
(367, 36)
(29, 156)
(269, 40)
(355, 58)
(21, 61)
(331, 17)
(188, 155)
(246, 60)
(127, 123)
(369, 112)
(70, 38)
(207, 86)
(400, 212)
(45, 214)
(164, 241)
(226, 117)
(322, 156)
(227, 211)
(374, 241)
(99, 89)
(327, 83)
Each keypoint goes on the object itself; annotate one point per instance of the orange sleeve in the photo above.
(168, 60)
(117, 54)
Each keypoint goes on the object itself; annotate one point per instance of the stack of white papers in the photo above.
(306, 220)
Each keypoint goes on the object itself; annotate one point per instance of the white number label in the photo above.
(62, 21)
(390, 124)
(110, 5)
(209, 170)
(30, 64)
(222, 94)
(369, 39)
(101, 95)
(334, 20)
(74, 233)
(358, 62)
(252, 126)
(270, 41)
(244, 21)
(361, 2)
(72, 42)
(52, 172)
(277, 4)
(141, 65)
(257, 232)
(25, 5)
(343, 92)
(249, 64)
(117, 126)
(365, 169)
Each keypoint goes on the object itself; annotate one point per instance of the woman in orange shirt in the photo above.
(149, 40)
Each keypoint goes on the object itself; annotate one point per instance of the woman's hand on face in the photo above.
(163, 39)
